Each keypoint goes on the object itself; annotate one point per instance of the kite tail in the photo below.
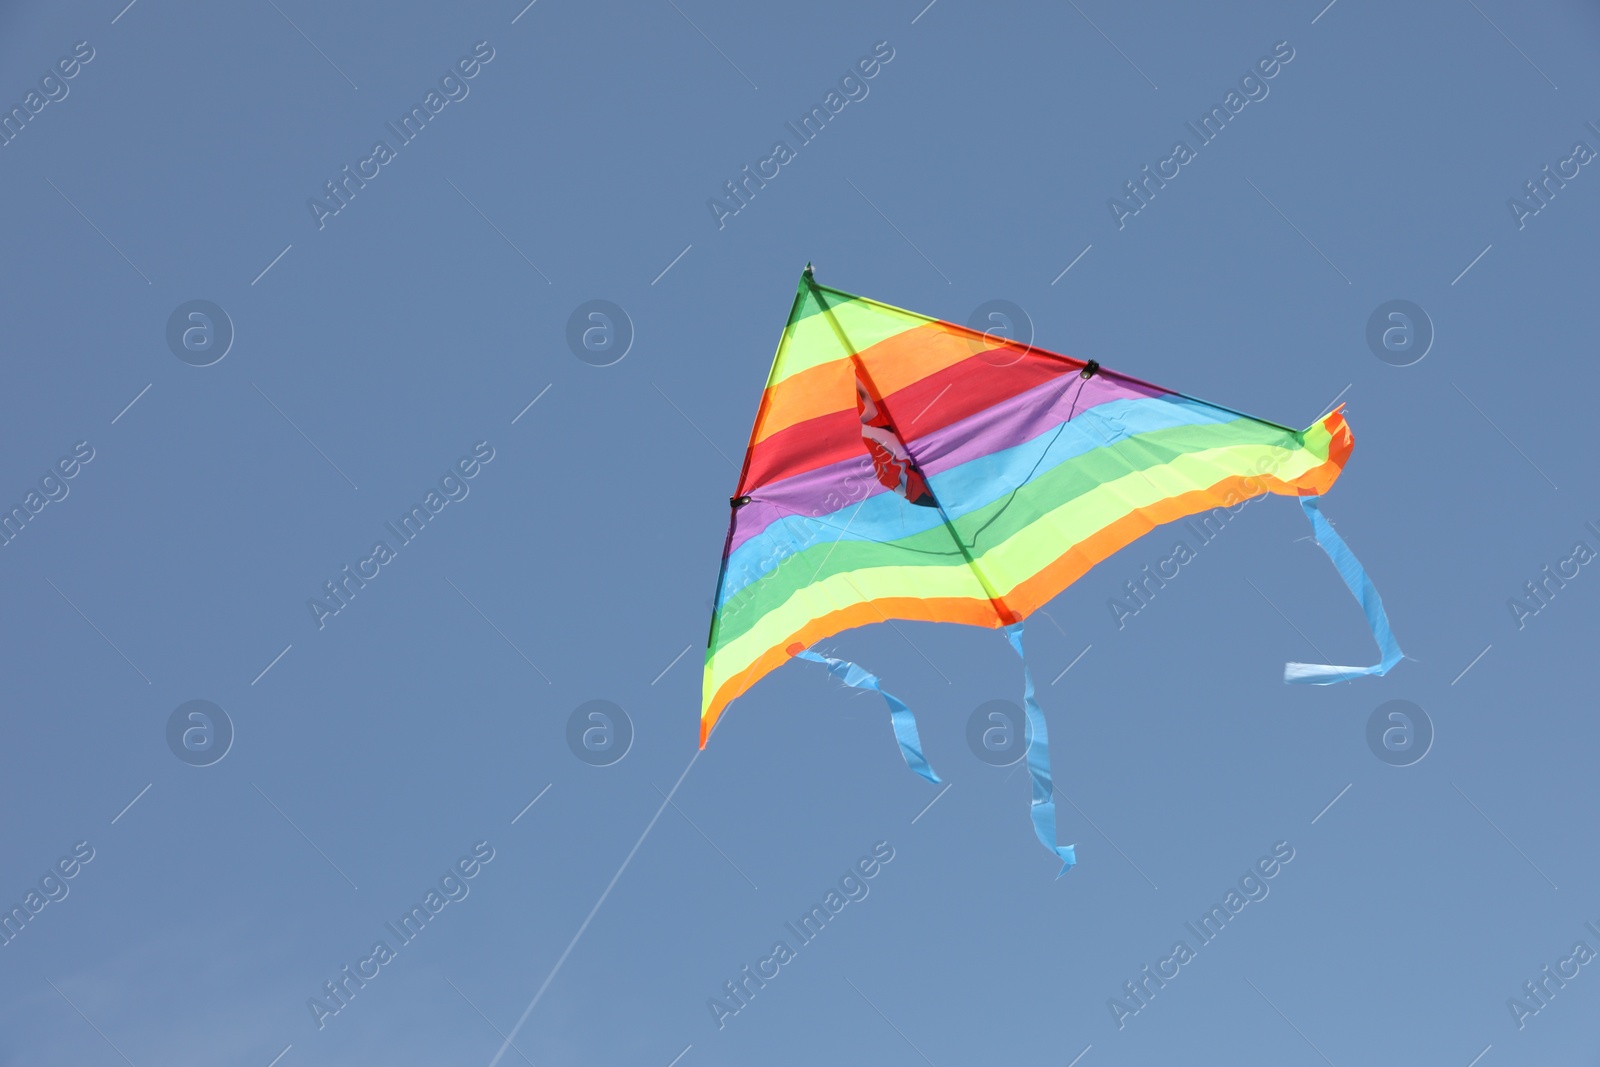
(1361, 587)
(905, 723)
(1044, 798)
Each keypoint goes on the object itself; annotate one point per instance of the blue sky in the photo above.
(376, 348)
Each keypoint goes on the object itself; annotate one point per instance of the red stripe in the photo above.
(921, 408)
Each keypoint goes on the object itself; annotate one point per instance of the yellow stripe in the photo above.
(811, 342)
(1009, 563)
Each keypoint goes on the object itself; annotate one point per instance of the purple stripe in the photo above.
(1003, 425)
(1021, 418)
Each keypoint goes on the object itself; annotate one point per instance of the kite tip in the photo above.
(795, 648)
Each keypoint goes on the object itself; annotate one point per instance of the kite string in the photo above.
(846, 527)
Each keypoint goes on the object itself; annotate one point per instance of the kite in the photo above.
(902, 467)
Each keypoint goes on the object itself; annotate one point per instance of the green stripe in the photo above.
(1318, 441)
(809, 340)
(812, 296)
(1182, 458)
(1018, 558)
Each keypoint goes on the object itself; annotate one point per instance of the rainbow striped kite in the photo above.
(902, 467)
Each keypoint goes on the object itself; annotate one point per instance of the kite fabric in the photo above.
(902, 467)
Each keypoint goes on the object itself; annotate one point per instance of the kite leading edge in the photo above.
(902, 467)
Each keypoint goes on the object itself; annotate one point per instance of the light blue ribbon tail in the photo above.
(1361, 587)
(905, 723)
(1044, 794)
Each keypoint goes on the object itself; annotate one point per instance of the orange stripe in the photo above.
(969, 611)
(894, 363)
(1034, 592)
(1338, 450)
(819, 390)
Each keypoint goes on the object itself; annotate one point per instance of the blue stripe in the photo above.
(973, 485)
